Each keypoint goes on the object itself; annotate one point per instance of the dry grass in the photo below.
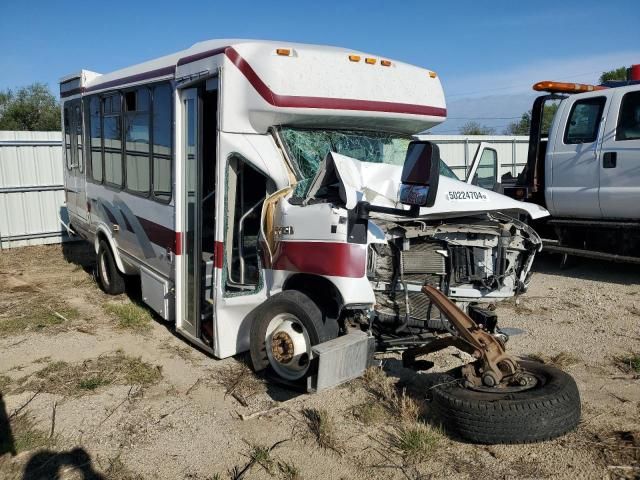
(75, 379)
(518, 305)
(180, 351)
(34, 313)
(130, 316)
(239, 381)
(619, 449)
(26, 435)
(323, 428)
(399, 405)
(261, 455)
(415, 442)
(4, 382)
(560, 360)
(629, 363)
(370, 413)
(288, 471)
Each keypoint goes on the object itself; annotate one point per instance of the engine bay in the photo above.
(473, 260)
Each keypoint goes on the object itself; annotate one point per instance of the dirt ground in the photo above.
(96, 387)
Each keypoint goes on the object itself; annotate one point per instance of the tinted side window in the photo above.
(95, 142)
(584, 121)
(112, 131)
(137, 140)
(629, 119)
(162, 142)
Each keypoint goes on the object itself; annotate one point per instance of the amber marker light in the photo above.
(385, 63)
(285, 52)
(565, 87)
(370, 61)
(433, 74)
(354, 58)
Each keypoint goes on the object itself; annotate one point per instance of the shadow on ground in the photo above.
(51, 465)
(588, 269)
(7, 444)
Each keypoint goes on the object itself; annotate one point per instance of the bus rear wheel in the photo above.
(283, 330)
(110, 279)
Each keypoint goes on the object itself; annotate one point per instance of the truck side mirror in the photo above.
(420, 174)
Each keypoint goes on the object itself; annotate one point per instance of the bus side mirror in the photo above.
(420, 174)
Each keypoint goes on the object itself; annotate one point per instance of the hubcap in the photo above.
(288, 346)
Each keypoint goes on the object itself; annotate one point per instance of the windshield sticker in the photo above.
(465, 195)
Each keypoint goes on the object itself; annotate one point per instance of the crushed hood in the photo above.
(379, 184)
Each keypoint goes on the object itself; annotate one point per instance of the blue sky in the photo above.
(487, 56)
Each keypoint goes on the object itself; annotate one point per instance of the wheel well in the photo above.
(324, 293)
(100, 235)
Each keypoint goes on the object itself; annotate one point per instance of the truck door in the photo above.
(572, 157)
(484, 168)
(620, 157)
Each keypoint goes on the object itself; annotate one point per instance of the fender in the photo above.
(102, 229)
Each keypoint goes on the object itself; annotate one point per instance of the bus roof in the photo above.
(295, 83)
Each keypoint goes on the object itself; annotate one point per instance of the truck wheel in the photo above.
(548, 409)
(283, 330)
(110, 279)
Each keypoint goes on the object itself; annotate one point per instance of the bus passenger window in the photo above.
(78, 127)
(112, 131)
(246, 191)
(162, 121)
(138, 162)
(67, 137)
(95, 142)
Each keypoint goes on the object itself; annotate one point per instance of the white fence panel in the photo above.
(31, 189)
(457, 151)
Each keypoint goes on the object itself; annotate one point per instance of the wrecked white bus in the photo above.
(255, 189)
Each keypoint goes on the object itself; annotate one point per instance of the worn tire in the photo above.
(549, 410)
(319, 327)
(110, 279)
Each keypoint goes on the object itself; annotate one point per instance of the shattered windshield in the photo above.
(308, 148)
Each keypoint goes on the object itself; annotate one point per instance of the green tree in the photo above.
(616, 74)
(475, 128)
(523, 126)
(33, 107)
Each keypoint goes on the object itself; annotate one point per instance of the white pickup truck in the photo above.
(585, 170)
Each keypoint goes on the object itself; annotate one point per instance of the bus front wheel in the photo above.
(110, 279)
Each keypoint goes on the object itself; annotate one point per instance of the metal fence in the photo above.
(32, 191)
(458, 150)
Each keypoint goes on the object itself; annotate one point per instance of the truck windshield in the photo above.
(308, 147)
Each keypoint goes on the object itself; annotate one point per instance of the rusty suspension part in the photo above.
(494, 362)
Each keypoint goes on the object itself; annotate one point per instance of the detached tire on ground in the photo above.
(547, 410)
(291, 323)
(110, 279)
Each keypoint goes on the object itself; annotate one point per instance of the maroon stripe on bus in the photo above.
(199, 56)
(321, 258)
(138, 77)
(295, 101)
(218, 255)
(159, 234)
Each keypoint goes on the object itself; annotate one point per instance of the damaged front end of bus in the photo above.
(420, 259)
